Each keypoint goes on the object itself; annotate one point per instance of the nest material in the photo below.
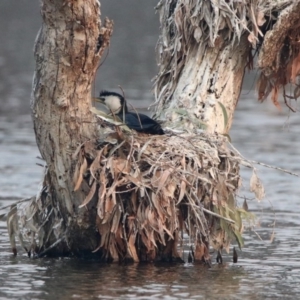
(149, 190)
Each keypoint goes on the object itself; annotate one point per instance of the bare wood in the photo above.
(67, 52)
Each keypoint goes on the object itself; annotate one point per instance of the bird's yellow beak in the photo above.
(99, 99)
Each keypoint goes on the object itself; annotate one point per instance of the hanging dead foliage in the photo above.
(279, 59)
(150, 190)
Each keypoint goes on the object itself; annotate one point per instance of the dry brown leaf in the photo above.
(104, 232)
(156, 203)
(199, 252)
(101, 195)
(90, 195)
(75, 154)
(110, 204)
(252, 38)
(131, 247)
(263, 86)
(155, 179)
(134, 180)
(165, 229)
(95, 166)
(148, 239)
(121, 166)
(109, 166)
(182, 191)
(256, 186)
(260, 18)
(120, 239)
(116, 221)
(274, 97)
(76, 173)
(90, 149)
(169, 189)
(165, 175)
(82, 171)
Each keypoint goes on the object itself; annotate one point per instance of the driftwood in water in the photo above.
(126, 195)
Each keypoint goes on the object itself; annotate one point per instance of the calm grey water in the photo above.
(267, 268)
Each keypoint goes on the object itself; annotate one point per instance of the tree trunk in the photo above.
(201, 66)
(208, 87)
(67, 52)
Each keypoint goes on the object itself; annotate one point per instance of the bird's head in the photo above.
(114, 101)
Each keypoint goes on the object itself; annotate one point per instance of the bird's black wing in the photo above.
(142, 123)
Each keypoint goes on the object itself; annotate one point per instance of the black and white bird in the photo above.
(139, 122)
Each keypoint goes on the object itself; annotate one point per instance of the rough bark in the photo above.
(201, 65)
(209, 86)
(67, 52)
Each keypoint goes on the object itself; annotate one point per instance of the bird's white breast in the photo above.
(113, 103)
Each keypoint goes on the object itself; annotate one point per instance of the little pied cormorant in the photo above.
(139, 122)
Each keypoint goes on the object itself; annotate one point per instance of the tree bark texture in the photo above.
(199, 82)
(67, 52)
(202, 53)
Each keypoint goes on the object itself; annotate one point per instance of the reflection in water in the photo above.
(68, 278)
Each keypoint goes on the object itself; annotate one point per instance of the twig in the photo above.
(272, 167)
(217, 215)
(263, 164)
(20, 201)
(125, 104)
(40, 165)
(136, 114)
(131, 107)
(103, 61)
(285, 100)
(210, 212)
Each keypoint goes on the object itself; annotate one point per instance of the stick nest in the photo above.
(150, 190)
